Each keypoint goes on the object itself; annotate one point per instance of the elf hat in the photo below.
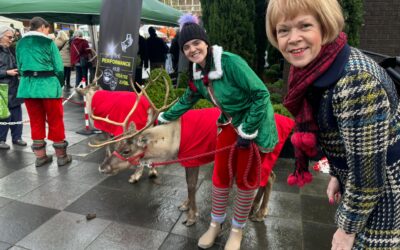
(190, 29)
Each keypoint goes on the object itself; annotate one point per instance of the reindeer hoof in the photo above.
(183, 207)
(259, 216)
(133, 181)
(189, 222)
(153, 175)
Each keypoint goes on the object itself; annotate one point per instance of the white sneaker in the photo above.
(4, 145)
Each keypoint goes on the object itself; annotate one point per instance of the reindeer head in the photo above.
(128, 153)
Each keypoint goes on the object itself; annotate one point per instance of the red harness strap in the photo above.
(133, 160)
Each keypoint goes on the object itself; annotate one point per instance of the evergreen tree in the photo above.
(353, 12)
(230, 24)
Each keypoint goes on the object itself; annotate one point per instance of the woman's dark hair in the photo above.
(37, 22)
(207, 69)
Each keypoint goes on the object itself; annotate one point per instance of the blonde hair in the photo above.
(62, 35)
(327, 12)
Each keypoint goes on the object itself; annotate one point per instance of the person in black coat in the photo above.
(9, 75)
(157, 50)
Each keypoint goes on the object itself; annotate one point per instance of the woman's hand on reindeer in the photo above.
(333, 190)
(342, 240)
(243, 143)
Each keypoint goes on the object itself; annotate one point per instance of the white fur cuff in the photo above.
(161, 119)
(246, 136)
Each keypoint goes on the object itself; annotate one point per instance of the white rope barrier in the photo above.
(27, 121)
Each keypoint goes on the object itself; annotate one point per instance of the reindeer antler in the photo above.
(152, 114)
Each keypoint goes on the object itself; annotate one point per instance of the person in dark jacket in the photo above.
(157, 49)
(9, 75)
(79, 51)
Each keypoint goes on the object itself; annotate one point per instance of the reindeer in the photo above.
(113, 111)
(163, 142)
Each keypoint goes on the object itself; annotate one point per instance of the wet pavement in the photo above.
(46, 207)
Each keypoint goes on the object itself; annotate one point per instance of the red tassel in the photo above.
(309, 140)
(296, 140)
(307, 176)
(292, 180)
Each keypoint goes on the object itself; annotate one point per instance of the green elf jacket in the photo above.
(36, 52)
(238, 92)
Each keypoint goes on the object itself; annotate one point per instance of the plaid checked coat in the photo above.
(359, 122)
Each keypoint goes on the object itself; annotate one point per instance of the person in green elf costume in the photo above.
(42, 76)
(246, 126)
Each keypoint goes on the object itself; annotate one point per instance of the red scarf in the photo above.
(304, 139)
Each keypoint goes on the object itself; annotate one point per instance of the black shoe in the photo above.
(20, 142)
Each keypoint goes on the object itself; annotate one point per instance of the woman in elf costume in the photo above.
(349, 103)
(42, 76)
(247, 121)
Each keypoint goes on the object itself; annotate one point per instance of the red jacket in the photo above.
(79, 47)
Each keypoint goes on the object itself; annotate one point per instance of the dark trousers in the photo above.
(67, 76)
(81, 72)
(16, 130)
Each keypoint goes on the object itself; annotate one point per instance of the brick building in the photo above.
(381, 30)
(192, 6)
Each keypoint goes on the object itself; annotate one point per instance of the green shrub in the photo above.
(155, 87)
(276, 98)
(280, 109)
(275, 67)
(202, 103)
(183, 80)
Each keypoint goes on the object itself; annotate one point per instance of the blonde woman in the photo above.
(62, 42)
(347, 103)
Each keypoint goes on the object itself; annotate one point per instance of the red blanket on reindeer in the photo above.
(117, 105)
(199, 133)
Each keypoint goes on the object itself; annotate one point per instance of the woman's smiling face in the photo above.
(299, 39)
(196, 51)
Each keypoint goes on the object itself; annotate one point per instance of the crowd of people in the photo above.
(344, 105)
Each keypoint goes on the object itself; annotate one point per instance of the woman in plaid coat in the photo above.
(345, 102)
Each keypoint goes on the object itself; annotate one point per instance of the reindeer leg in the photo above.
(136, 176)
(262, 212)
(192, 175)
(153, 172)
(256, 203)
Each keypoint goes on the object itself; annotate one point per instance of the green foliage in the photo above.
(275, 67)
(155, 87)
(230, 23)
(261, 35)
(353, 11)
(271, 74)
(183, 80)
(280, 109)
(276, 98)
(275, 85)
(202, 103)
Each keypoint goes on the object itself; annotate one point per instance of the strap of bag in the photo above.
(62, 46)
(77, 51)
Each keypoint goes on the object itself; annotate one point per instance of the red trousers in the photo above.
(42, 110)
(221, 178)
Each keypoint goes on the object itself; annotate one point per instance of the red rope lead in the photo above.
(253, 151)
(154, 164)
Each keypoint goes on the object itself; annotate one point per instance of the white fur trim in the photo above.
(196, 74)
(217, 73)
(162, 119)
(246, 136)
(35, 33)
(217, 54)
